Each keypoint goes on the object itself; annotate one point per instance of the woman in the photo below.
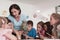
(55, 21)
(16, 17)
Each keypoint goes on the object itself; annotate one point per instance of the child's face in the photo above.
(39, 27)
(10, 25)
(7, 26)
(45, 27)
(53, 21)
(29, 27)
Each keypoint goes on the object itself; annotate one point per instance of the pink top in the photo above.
(3, 32)
(42, 32)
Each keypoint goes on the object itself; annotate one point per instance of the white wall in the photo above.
(27, 9)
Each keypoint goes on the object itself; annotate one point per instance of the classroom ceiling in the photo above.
(41, 4)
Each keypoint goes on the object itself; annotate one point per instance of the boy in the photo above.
(31, 31)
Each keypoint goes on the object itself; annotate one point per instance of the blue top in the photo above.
(32, 33)
(17, 24)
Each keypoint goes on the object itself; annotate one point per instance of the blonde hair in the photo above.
(3, 20)
(56, 16)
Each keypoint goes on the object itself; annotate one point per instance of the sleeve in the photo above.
(34, 33)
(10, 18)
(25, 17)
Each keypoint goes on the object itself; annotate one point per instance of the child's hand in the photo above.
(26, 36)
(58, 27)
(52, 37)
(29, 37)
(42, 37)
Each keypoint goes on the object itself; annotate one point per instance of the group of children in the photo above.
(44, 30)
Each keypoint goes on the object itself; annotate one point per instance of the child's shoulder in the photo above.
(33, 29)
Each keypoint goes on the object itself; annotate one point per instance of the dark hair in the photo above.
(8, 19)
(16, 7)
(30, 22)
(49, 28)
(40, 23)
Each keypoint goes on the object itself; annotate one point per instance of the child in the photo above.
(48, 29)
(23, 29)
(55, 21)
(31, 31)
(5, 30)
(24, 26)
(40, 30)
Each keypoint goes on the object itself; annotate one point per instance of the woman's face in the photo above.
(53, 21)
(15, 12)
(39, 27)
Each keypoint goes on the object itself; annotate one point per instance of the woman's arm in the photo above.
(17, 34)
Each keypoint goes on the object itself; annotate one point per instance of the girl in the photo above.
(5, 31)
(55, 21)
(48, 29)
(40, 30)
